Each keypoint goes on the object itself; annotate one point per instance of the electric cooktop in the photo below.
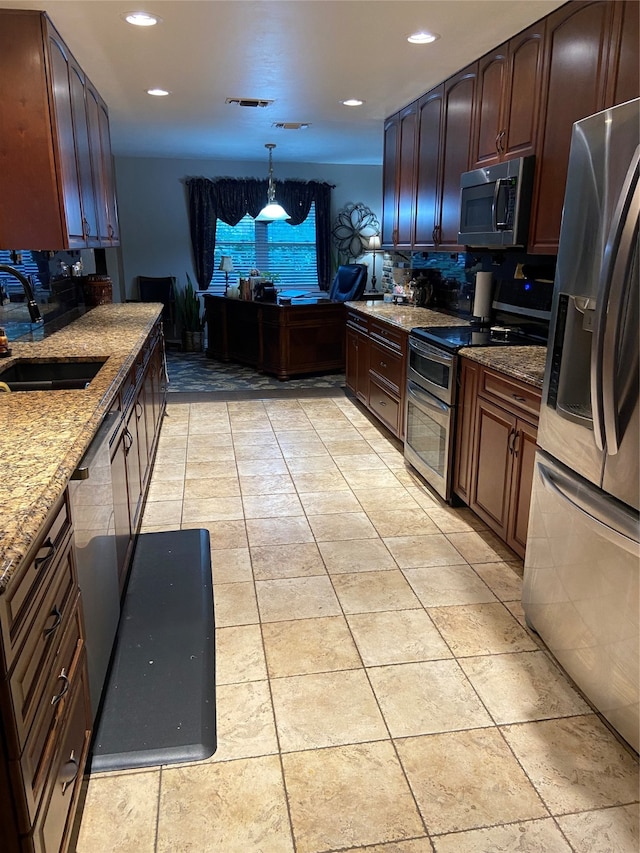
(454, 338)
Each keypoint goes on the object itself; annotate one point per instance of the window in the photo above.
(287, 252)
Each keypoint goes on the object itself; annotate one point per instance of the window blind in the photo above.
(285, 252)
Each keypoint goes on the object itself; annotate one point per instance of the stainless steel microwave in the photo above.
(495, 204)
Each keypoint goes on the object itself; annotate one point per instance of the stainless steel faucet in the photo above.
(32, 305)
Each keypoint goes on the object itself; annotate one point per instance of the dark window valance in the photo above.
(229, 199)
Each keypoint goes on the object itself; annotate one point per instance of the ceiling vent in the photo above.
(291, 125)
(248, 102)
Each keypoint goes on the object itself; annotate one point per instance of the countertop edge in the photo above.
(118, 331)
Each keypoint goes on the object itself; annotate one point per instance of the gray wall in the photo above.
(152, 208)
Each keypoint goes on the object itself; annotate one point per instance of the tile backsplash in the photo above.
(453, 274)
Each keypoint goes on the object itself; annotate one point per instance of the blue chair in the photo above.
(349, 284)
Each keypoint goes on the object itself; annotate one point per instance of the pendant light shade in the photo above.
(272, 211)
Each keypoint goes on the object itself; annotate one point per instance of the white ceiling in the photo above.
(306, 55)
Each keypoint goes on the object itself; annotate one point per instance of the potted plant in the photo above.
(188, 311)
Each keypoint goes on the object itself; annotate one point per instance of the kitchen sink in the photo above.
(29, 374)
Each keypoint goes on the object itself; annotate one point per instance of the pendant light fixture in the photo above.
(272, 211)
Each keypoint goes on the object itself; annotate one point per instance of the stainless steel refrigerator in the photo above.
(582, 565)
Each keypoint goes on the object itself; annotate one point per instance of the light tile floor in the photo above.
(378, 690)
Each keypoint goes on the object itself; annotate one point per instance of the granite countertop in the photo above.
(521, 362)
(524, 363)
(405, 317)
(44, 434)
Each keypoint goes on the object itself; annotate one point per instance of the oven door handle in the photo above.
(428, 401)
(432, 353)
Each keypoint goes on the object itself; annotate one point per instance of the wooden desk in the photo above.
(283, 340)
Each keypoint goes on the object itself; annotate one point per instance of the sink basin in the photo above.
(27, 374)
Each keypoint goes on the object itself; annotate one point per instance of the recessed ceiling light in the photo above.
(422, 37)
(158, 93)
(352, 102)
(141, 19)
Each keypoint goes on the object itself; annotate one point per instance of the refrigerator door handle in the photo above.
(619, 274)
(611, 288)
(614, 526)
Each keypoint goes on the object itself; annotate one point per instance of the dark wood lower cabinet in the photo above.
(493, 465)
(376, 368)
(525, 452)
(45, 711)
(496, 444)
(134, 443)
(45, 714)
(357, 364)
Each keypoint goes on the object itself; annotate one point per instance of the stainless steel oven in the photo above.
(429, 416)
(432, 388)
(429, 438)
(432, 368)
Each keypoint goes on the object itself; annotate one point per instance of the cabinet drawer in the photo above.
(22, 601)
(65, 674)
(29, 680)
(387, 365)
(358, 321)
(517, 395)
(385, 406)
(394, 338)
(54, 822)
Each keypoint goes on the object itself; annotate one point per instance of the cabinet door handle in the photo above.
(65, 686)
(519, 399)
(69, 771)
(516, 443)
(110, 231)
(497, 143)
(127, 435)
(511, 439)
(381, 403)
(139, 413)
(383, 364)
(39, 562)
(55, 613)
(86, 228)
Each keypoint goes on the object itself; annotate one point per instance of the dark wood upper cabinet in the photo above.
(389, 181)
(101, 167)
(576, 60)
(520, 99)
(457, 124)
(398, 208)
(507, 106)
(623, 76)
(492, 75)
(55, 166)
(406, 176)
(428, 145)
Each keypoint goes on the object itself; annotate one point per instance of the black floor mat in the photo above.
(159, 701)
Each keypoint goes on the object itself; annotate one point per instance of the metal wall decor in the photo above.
(354, 226)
